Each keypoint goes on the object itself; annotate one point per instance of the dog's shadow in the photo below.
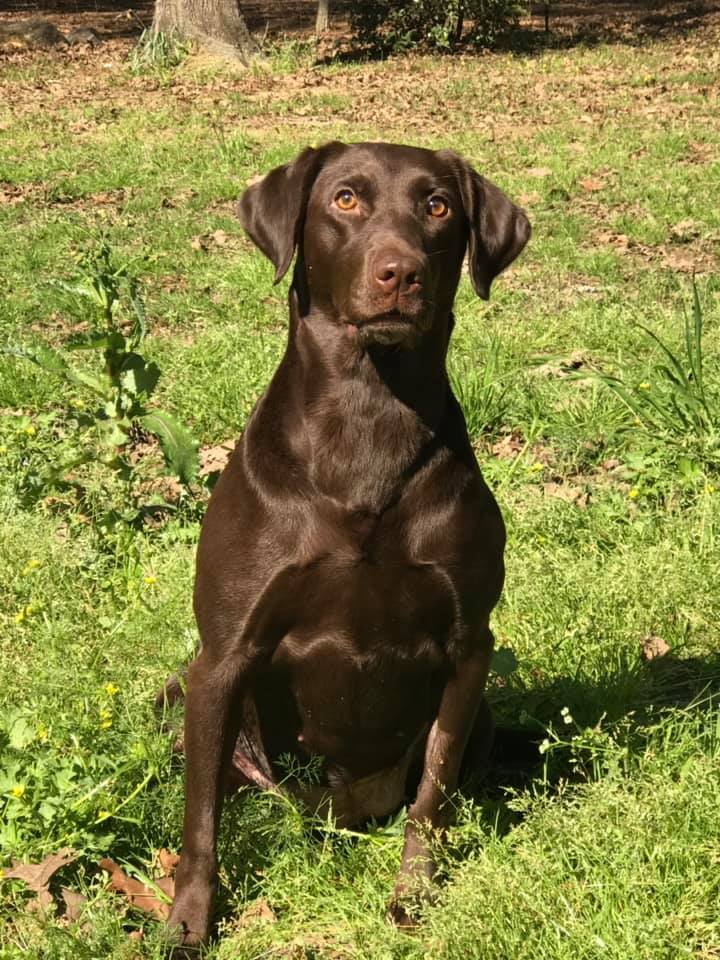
(626, 705)
(558, 714)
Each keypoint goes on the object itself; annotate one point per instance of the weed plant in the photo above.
(158, 52)
(103, 428)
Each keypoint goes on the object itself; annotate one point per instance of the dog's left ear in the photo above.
(272, 210)
(498, 230)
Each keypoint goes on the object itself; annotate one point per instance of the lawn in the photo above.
(591, 384)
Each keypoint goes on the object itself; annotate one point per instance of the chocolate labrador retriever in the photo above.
(351, 553)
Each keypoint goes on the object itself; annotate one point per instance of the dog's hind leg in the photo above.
(171, 692)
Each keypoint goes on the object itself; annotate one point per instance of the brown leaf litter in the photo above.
(653, 647)
(154, 897)
(37, 876)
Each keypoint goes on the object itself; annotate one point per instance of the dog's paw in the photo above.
(188, 926)
(399, 914)
(182, 943)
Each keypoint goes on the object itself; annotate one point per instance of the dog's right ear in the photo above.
(272, 210)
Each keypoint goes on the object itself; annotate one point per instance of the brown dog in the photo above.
(351, 553)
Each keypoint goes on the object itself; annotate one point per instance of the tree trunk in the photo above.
(323, 17)
(459, 23)
(216, 25)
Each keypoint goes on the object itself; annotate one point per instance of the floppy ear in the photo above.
(498, 230)
(273, 209)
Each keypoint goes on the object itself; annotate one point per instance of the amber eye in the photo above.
(437, 207)
(346, 200)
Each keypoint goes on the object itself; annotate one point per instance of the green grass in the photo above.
(611, 851)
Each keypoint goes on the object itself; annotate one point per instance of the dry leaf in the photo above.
(563, 367)
(592, 184)
(507, 447)
(219, 238)
(74, 903)
(539, 172)
(528, 199)
(168, 862)
(259, 911)
(214, 459)
(38, 875)
(564, 491)
(653, 647)
(140, 894)
(615, 239)
(688, 260)
(685, 230)
(198, 243)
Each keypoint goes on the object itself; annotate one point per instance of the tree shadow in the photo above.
(613, 22)
(574, 24)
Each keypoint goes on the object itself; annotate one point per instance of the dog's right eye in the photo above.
(346, 199)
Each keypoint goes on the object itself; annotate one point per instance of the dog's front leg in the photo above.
(213, 711)
(444, 751)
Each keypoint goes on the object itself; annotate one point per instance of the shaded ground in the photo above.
(569, 23)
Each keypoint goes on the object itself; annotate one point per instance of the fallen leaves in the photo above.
(74, 903)
(214, 459)
(592, 184)
(37, 876)
(653, 647)
(539, 172)
(567, 492)
(686, 255)
(154, 897)
(207, 241)
(259, 911)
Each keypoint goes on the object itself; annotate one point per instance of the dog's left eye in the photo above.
(346, 200)
(437, 207)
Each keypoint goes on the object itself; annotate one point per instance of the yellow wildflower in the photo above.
(111, 689)
(30, 430)
(22, 615)
(31, 565)
(42, 733)
(634, 493)
(149, 579)
(18, 790)
(644, 385)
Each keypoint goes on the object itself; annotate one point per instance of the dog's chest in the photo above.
(362, 445)
(366, 658)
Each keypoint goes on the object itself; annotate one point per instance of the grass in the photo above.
(611, 849)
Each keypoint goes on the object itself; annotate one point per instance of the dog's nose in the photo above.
(402, 274)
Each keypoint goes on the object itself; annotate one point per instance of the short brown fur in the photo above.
(351, 553)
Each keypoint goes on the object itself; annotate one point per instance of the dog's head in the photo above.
(381, 232)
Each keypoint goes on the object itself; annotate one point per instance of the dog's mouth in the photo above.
(390, 318)
(388, 327)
